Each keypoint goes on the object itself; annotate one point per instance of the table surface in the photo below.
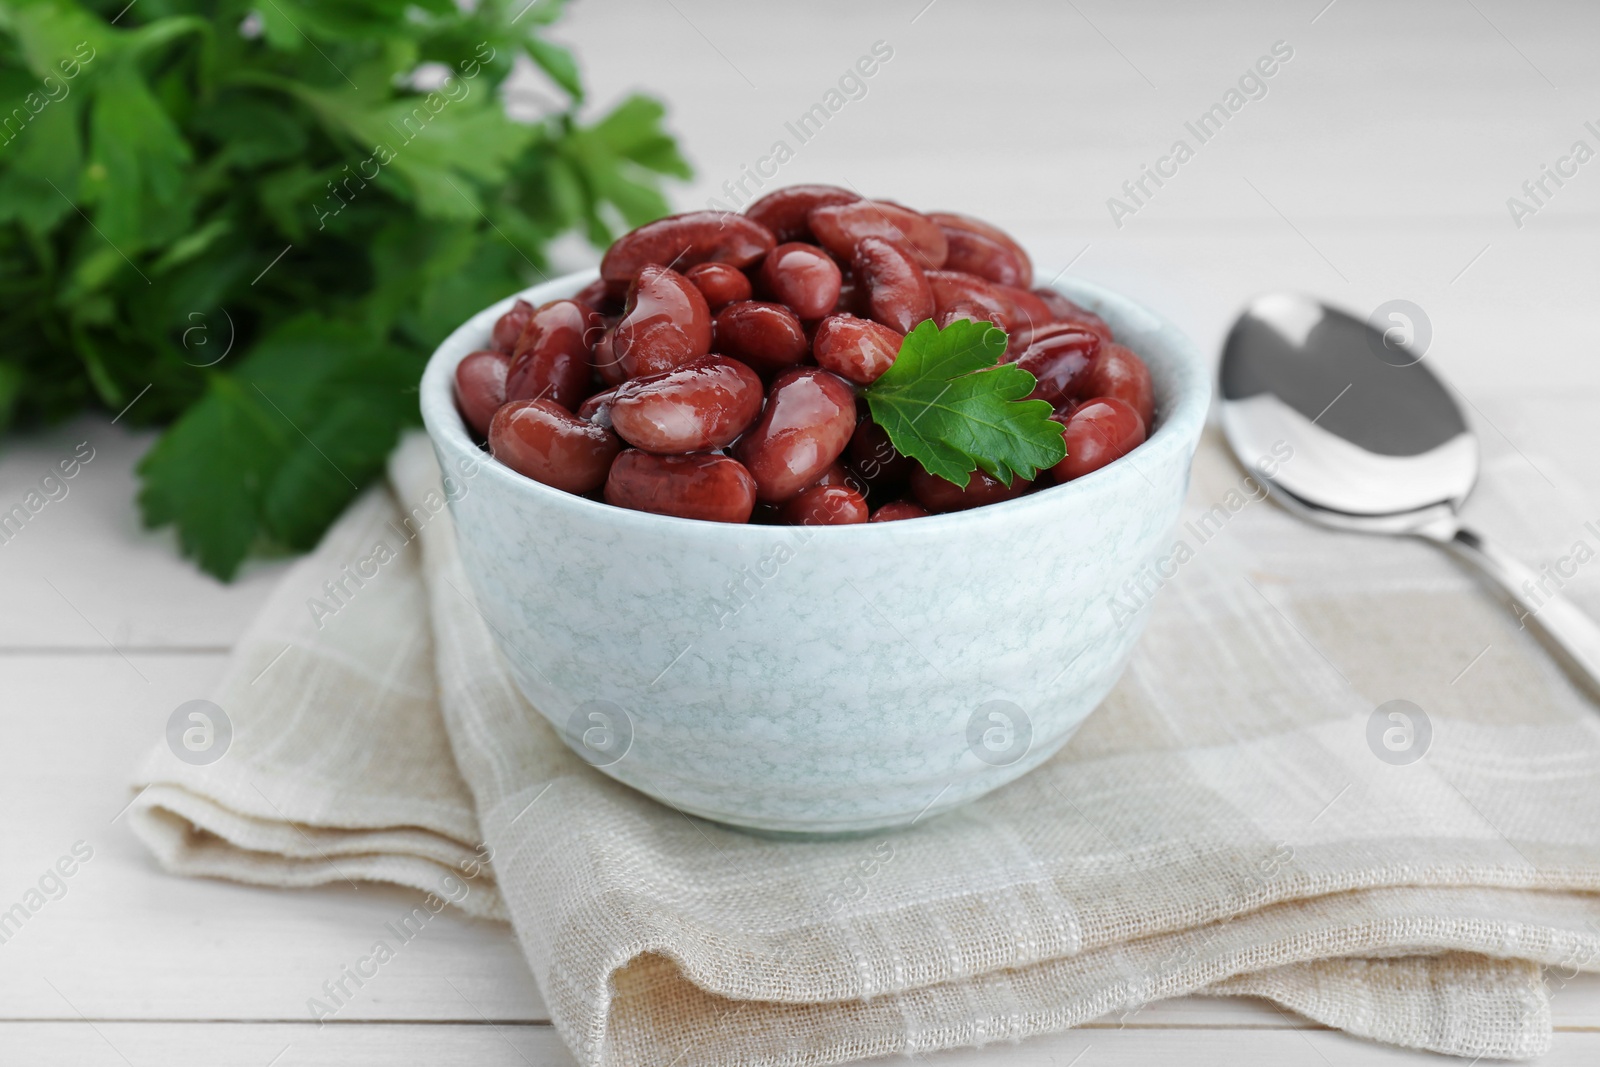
(1374, 164)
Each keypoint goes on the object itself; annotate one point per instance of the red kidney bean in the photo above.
(666, 326)
(858, 350)
(809, 417)
(606, 363)
(874, 457)
(1117, 372)
(696, 408)
(981, 249)
(803, 277)
(1063, 310)
(937, 494)
(682, 241)
(962, 311)
(551, 360)
(597, 297)
(719, 283)
(839, 474)
(481, 387)
(1100, 431)
(1060, 362)
(546, 442)
(898, 509)
(852, 298)
(597, 409)
(825, 505)
(508, 327)
(957, 293)
(838, 227)
(898, 292)
(711, 487)
(784, 211)
(766, 336)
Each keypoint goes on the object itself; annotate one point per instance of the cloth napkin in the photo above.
(1243, 816)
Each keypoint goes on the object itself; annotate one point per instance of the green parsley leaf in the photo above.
(948, 403)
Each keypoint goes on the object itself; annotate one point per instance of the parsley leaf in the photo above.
(948, 403)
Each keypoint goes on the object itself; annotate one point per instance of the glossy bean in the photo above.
(696, 408)
(1063, 310)
(682, 241)
(703, 486)
(808, 420)
(481, 387)
(858, 350)
(606, 363)
(597, 297)
(895, 510)
(955, 292)
(898, 292)
(719, 283)
(1028, 312)
(766, 336)
(546, 442)
(838, 227)
(551, 360)
(508, 327)
(784, 211)
(804, 277)
(1018, 265)
(936, 494)
(839, 474)
(597, 409)
(1117, 372)
(667, 324)
(1097, 433)
(825, 505)
(1060, 363)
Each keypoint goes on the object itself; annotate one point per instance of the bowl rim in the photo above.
(1178, 430)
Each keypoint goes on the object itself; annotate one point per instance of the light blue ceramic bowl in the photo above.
(822, 680)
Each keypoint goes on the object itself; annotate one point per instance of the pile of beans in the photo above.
(711, 371)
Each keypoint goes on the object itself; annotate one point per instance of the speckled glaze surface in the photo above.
(822, 680)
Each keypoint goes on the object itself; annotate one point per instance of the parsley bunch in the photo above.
(254, 220)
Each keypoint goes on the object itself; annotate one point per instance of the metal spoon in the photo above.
(1378, 446)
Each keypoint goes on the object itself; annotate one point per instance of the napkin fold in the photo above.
(1243, 816)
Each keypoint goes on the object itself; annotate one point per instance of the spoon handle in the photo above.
(1538, 599)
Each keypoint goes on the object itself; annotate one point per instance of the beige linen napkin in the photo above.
(1232, 821)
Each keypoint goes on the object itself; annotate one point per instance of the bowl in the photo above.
(822, 680)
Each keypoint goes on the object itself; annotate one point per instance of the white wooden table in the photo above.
(1377, 166)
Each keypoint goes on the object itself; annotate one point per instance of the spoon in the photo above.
(1378, 446)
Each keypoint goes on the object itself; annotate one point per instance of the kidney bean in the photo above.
(955, 294)
(838, 227)
(839, 474)
(546, 442)
(696, 408)
(597, 297)
(873, 455)
(858, 350)
(962, 311)
(481, 387)
(1060, 362)
(937, 494)
(597, 409)
(825, 505)
(852, 297)
(898, 292)
(711, 487)
(719, 283)
(1117, 372)
(682, 241)
(667, 324)
(809, 417)
(994, 249)
(1100, 431)
(1028, 311)
(1063, 310)
(804, 277)
(895, 510)
(784, 211)
(508, 327)
(552, 355)
(606, 363)
(766, 336)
